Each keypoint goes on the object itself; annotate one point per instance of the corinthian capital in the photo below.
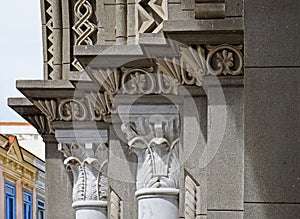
(155, 141)
(88, 165)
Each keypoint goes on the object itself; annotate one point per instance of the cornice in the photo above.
(66, 101)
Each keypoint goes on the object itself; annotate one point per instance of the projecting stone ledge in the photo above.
(228, 30)
(125, 55)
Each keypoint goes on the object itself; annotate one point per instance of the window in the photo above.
(27, 202)
(10, 201)
(40, 209)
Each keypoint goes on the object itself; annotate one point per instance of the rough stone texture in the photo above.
(195, 114)
(279, 19)
(122, 172)
(233, 8)
(58, 185)
(225, 171)
(224, 215)
(271, 133)
(110, 23)
(175, 12)
(274, 211)
(271, 104)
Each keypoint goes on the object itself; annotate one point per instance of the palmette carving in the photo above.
(194, 62)
(155, 141)
(48, 107)
(40, 122)
(109, 79)
(174, 72)
(88, 166)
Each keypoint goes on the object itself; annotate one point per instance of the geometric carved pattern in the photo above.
(83, 28)
(150, 15)
(155, 141)
(50, 38)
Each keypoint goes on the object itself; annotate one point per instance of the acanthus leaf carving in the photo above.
(156, 149)
(89, 170)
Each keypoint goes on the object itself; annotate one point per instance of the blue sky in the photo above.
(20, 49)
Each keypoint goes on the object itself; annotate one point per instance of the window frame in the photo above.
(27, 204)
(11, 196)
(41, 208)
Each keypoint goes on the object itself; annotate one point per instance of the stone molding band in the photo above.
(152, 192)
(96, 204)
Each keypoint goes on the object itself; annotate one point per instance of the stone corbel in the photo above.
(155, 141)
(88, 164)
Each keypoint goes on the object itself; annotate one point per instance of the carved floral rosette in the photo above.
(88, 166)
(225, 60)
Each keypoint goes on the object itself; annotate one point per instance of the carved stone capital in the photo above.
(88, 164)
(155, 141)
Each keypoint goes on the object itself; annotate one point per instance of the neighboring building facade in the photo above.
(27, 136)
(22, 181)
(168, 109)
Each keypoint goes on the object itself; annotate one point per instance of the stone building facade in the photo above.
(168, 108)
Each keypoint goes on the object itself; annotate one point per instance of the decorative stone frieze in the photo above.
(164, 77)
(88, 164)
(155, 141)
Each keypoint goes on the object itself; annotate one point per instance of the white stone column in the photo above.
(88, 164)
(155, 141)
